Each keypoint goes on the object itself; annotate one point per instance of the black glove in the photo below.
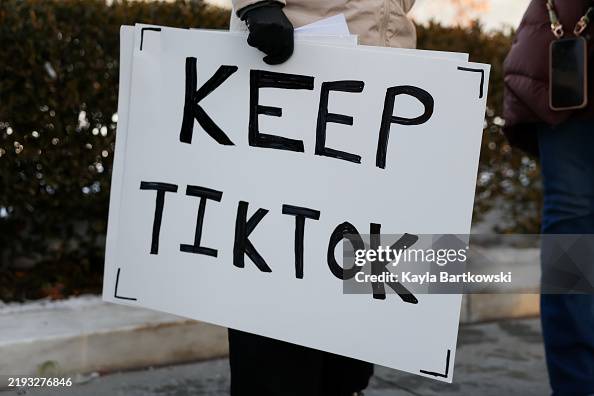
(270, 31)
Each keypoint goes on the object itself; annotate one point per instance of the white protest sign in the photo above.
(203, 215)
(126, 50)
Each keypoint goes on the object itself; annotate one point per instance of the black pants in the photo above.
(266, 367)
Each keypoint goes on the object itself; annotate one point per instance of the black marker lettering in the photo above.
(242, 244)
(388, 117)
(204, 194)
(300, 215)
(192, 109)
(161, 189)
(324, 118)
(265, 79)
(344, 231)
(379, 266)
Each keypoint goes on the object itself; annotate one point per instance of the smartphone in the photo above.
(568, 79)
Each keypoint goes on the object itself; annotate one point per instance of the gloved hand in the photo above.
(270, 31)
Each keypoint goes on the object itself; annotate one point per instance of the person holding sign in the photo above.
(270, 22)
(549, 112)
(264, 366)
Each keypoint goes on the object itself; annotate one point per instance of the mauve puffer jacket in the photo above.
(526, 72)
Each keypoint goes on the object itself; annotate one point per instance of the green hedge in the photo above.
(58, 99)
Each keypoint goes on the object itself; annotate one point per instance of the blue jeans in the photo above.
(567, 160)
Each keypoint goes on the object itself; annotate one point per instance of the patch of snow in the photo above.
(79, 302)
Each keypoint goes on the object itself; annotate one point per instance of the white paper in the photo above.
(335, 25)
(126, 51)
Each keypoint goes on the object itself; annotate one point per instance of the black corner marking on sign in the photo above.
(468, 69)
(152, 29)
(115, 292)
(447, 368)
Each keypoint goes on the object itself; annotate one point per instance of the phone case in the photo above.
(585, 84)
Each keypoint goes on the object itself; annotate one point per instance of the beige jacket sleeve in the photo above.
(239, 4)
(407, 5)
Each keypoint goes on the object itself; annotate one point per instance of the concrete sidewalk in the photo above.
(86, 335)
(493, 359)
